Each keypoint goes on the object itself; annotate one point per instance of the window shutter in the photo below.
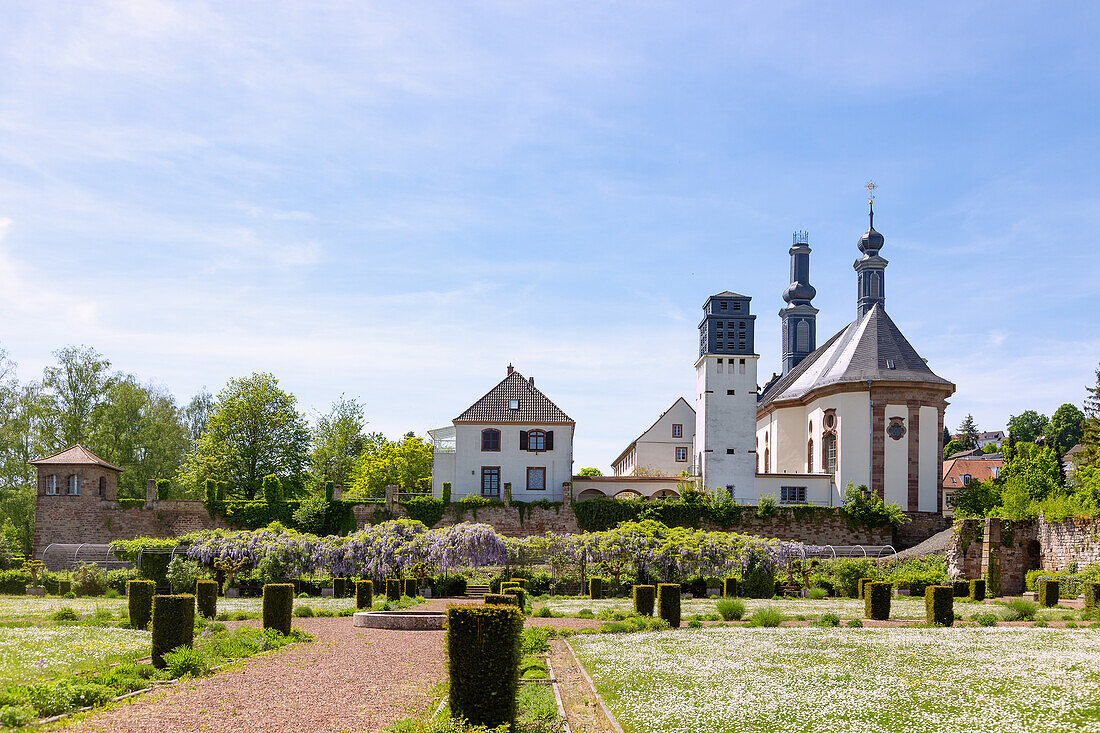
(549, 440)
(523, 440)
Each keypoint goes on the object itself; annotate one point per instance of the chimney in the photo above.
(531, 380)
(510, 370)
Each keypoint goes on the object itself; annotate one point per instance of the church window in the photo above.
(677, 430)
(490, 440)
(876, 285)
(53, 485)
(830, 453)
(767, 461)
(74, 485)
(802, 338)
(810, 456)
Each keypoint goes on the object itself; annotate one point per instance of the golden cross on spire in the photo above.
(871, 189)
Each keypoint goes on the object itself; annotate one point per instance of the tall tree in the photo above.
(968, 432)
(76, 385)
(338, 439)
(1027, 426)
(1091, 437)
(406, 465)
(197, 413)
(1066, 428)
(254, 430)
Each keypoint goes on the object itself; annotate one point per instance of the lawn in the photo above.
(27, 653)
(805, 679)
(845, 608)
(30, 608)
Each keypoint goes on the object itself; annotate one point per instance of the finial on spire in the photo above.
(871, 201)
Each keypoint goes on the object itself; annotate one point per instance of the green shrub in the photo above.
(521, 596)
(16, 716)
(729, 588)
(846, 573)
(206, 596)
(338, 585)
(278, 607)
(521, 582)
(758, 582)
(140, 602)
(876, 602)
(182, 574)
(668, 603)
(173, 625)
(1090, 589)
(985, 619)
(364, 593)
(186, 661)
(393, 589)
(411, 588)
(303, 612)
(484, 648)
(644, 596)
(449, 584)
(731, 609)
(1021, 609)
(854, 623)
(828, 620)
(939, 605)
(595, 588)
(1048, 592)
(977, 590)
(65, 614)
(64, 587)
(960, 588)
(502, 599)
(768, 617)
(816, 594)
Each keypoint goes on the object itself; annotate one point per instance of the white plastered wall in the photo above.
(929, 459)
(896, 459)
(513, 462)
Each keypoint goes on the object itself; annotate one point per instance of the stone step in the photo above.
(477, 591)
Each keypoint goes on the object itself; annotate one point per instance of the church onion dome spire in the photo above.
(800, 291)
(871, 242)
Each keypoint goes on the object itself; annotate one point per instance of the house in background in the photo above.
(962, 470)
(514, 438)
(665, 448)
(993, 438)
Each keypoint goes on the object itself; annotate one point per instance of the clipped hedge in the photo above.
(644, 596)
(876, 602)
(411, 587)
(595, 588)
(393, 589)
(64, 587)
(1090, 589)
(668, 603)
(939, 605)
(173, 625)
(449, 584)
(961, 588)
(338, 587)
(483, 653)
(139, 594)
(977, 590)
(521, 582)
(206, 596)
(520, 594)
(1048, 592)
(364, 593)
(860, 587)
(729, 588)
(278, 606)
(502, 599)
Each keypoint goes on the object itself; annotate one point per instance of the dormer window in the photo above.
(513, 404)
(74, 485)
(53, 485)
(966, 479)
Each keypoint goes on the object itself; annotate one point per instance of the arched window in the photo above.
(53, 484)
(767, 463)
(810, 456)
(829, 457)
(74, 485)
(536, 440)
(103, 486)
(490, 440)
(802, 337)
(876, 285)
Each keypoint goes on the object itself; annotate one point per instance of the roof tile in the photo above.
(534, 406)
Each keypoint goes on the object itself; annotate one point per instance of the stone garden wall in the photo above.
(1075, 540)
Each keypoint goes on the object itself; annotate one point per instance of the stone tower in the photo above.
(870, 269)
(799, 316)
(725, 404)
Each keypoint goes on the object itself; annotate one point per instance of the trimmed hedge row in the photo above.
(519, 593)
(393, 589)
(139, 594)
(644, 595)
(977, 590)
(502, 599)
(364, 593)
(173, 625)
(278, 606)
(729, 588)
(939, 605)
(411, 588)
(206, 596)
(595, 588)
(338, 587)
(668, 603)
(1048, 592)
(483, 652)
(1091, 589)
(876, 602)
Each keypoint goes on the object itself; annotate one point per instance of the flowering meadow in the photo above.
(811, 680)
(30, 653)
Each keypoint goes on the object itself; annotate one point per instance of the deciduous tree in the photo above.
(338, 439)
(1027, 426)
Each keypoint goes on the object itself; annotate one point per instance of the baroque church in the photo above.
(862, 409)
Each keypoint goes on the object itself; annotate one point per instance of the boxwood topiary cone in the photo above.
(139, 595)
(364, 593)
(643, 599)
(206, 595)
(668, 603)
(483, 653)
(173, 625)
(278, 606)
(1091, 589)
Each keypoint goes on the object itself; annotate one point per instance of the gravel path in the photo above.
(349, 679)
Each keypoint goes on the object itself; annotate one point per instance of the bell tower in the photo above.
(799, 316)
(871, 267)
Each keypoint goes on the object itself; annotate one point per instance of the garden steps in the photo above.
(477, 591)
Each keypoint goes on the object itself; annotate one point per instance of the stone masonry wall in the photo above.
(1075, 540)
(921, 526)
(999, 551)
(964, 552)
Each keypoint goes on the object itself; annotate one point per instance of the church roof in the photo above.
(78, 455)
(871, 348)
(533, 406)
(728, 294)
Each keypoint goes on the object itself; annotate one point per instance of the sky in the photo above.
(394, 201)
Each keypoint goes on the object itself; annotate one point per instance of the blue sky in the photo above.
(394, 201)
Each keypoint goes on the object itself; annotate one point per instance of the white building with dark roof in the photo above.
(664, 449)
(514, 439)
